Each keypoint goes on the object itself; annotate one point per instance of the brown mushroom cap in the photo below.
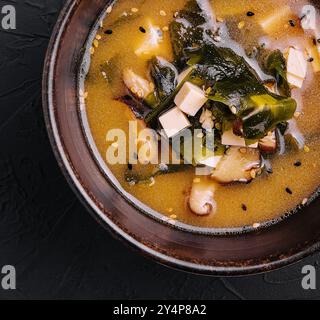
(201, 200)
(238, 165)
(269, 143)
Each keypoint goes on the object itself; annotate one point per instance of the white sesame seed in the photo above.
(253, 173)
(241, 25)
(95, 43)
(153, 182)
(297, 114)
(109, 9)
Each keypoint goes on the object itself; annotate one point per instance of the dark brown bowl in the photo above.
(237, 254)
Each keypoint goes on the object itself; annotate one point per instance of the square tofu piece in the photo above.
(173, 122)
(309, 20)
(211, 162)
(190, 99)
(230, 139)
(295, 81)
(296, 67)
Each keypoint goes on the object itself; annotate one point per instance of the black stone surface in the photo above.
(59, 251)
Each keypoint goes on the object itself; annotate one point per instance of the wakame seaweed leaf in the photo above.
(193, 26)
(138, 106)
(165, 77)
(262, 113)
(236, 85)
(231, 91)
(215, 63)
(275, 65)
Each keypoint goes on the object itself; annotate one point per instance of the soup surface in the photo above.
(254, 25)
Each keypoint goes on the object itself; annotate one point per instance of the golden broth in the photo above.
(266, 197)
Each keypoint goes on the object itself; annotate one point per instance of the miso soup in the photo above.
(241, 78)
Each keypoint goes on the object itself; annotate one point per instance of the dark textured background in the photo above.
(58, 249)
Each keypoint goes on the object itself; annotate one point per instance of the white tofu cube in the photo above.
(173, 122)
(309, 20)
(211, 162)
(230, 139)
(295, 81)
(297, 63)
(296, 67)
(190, 99)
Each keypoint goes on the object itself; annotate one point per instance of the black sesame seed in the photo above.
(310, 59)
(298, 164)
(318, 40)
(314, 41)
(244, 207)
(292, 23)
(288, 190)
(108, 31)
(130, 166)
(142, 29)
(250, 14)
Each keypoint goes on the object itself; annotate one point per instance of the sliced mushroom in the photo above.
(269, 143)
(201, 200)
(139, 86)
(238, 165)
